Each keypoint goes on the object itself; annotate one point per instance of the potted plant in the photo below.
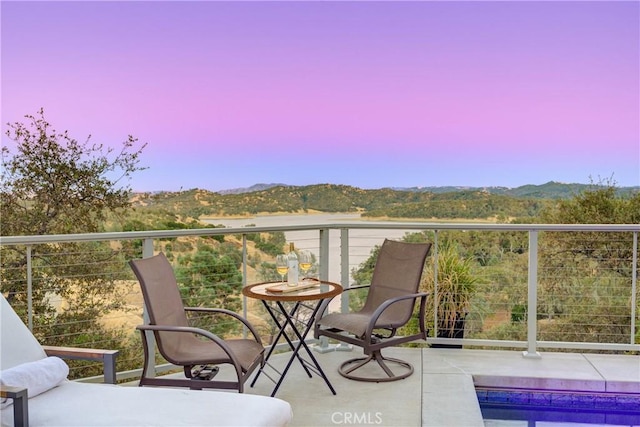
(456, 285)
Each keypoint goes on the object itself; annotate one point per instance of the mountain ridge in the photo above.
(551, 189)
(424, 202)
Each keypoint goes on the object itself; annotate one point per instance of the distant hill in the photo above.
(550, 190)
(255, 187)
(458, 202)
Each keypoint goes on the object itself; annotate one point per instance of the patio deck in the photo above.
(442, 390)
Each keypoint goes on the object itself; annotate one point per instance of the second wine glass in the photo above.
(305, 262)
(282, 265)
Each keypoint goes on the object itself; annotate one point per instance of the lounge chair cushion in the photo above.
(83, 404)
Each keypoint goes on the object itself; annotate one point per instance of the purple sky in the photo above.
(370, 94)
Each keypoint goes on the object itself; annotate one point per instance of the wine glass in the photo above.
(305, 261)
(282, 265)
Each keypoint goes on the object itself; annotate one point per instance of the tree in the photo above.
(597, 305)
(53, 184)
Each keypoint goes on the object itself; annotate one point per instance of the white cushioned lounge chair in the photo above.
(71, 403)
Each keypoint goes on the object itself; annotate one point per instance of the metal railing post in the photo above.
(245, 331)
(323, 342)
(634, 287)
(324, 254)
(435, 283)
(29, 289)
(532, 298)
(344, 280)
(150, 369)
(344, 268)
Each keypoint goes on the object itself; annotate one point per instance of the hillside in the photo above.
(549, 190)
(446, 202)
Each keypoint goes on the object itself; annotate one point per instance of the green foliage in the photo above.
(269, 243)
(516, 331)
(486, 249)
(211, 278)
(455, 287)
(78, 328)
(267, 272)
(602, 261)
(363, 274)
(598, 205)
(596, 308)
(53, 184)
(466, 205)
(518, 313)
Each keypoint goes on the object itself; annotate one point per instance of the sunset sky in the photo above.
(369, 94)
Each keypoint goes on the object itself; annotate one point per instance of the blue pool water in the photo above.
(501, 415)
(538, 408)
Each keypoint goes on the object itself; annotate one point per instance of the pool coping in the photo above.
(560, 399)
(556, 380)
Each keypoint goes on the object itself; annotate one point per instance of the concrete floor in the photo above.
(441, 391)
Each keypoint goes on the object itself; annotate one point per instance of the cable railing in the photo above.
(537, 286)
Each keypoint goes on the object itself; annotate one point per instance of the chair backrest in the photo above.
(163, 302)
(397, 272)
(17, 343)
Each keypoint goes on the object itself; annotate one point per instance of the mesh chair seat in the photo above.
(201, 352)
(355, 323)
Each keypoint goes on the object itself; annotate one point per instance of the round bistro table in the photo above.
(282, 302)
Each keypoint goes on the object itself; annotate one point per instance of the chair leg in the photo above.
(351, 365)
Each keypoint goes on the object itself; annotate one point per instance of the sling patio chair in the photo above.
(198, 351)
(391, 298)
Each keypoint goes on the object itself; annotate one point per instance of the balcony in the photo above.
(503, 349)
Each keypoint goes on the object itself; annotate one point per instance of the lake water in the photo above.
(361, 242)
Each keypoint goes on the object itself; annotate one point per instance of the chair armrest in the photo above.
(20, 404)
(235, 315)
(191, 330)
(382, 307)
(107, 357)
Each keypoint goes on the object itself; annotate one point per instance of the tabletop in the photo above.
(321, 290)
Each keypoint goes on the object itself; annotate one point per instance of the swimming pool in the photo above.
(502, 415)
(539, 407)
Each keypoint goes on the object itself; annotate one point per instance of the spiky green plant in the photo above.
(456, 285)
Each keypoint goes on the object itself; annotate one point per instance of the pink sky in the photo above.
(370, 94)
